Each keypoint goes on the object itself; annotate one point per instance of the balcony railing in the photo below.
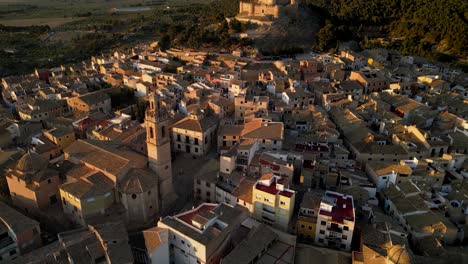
(268, 219)
(268, 210)
(334, 236)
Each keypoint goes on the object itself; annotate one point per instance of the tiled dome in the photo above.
(31, 162)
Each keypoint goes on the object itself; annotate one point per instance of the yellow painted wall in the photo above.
(306, 229)
(86, 208)
(281, 219)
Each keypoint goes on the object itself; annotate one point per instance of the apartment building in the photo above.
(203, 234)
(335, 221)
(273, 201)
(306, 225)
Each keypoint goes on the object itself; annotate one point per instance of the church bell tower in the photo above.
(159, 149)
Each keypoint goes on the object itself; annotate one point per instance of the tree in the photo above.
(164, 43)
(326, 37)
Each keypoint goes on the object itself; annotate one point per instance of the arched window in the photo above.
(163, 131)
(151, 132)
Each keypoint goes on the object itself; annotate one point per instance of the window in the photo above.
(208, 185)
(49, 181)
(196, 150)
(344, 237)
(345, 228)
(12, 252)
(310, 227)
(134, 196)
(198, 191)
(53, 199)
(163, 131)
(208, 193)
(151, 132)
(302, 226)
(196, 141)
(323, 223)
(198, 182)
(178, 138)
(283, 203)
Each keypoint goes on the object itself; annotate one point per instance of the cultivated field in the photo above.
(58, 12)
(52, 21)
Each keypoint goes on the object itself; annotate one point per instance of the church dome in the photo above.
(399, 255)
(31, 162)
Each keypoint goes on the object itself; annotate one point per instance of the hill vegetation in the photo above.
(435, 29)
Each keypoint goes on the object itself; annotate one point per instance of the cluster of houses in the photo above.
(346, 158)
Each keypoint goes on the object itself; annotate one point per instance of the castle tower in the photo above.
(159, 149)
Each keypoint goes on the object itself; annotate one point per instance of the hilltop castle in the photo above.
(267, 8)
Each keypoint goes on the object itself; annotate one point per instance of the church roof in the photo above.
(138, 181)
(31, 162)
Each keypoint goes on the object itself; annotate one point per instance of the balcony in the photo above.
(268, 210)
(268, 219)
(333, 236)
(335, 229)
(242, 161)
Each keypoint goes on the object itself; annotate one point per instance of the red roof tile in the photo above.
(342, 211)
(187, 216)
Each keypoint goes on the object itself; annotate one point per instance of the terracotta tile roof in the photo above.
(154, 238)
(202, 125)
(15, 220)
(138, 181)
(272, 131)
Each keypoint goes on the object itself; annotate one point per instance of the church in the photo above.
(109, 178)
(267, 8)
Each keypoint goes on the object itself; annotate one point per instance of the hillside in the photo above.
(437, 29)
